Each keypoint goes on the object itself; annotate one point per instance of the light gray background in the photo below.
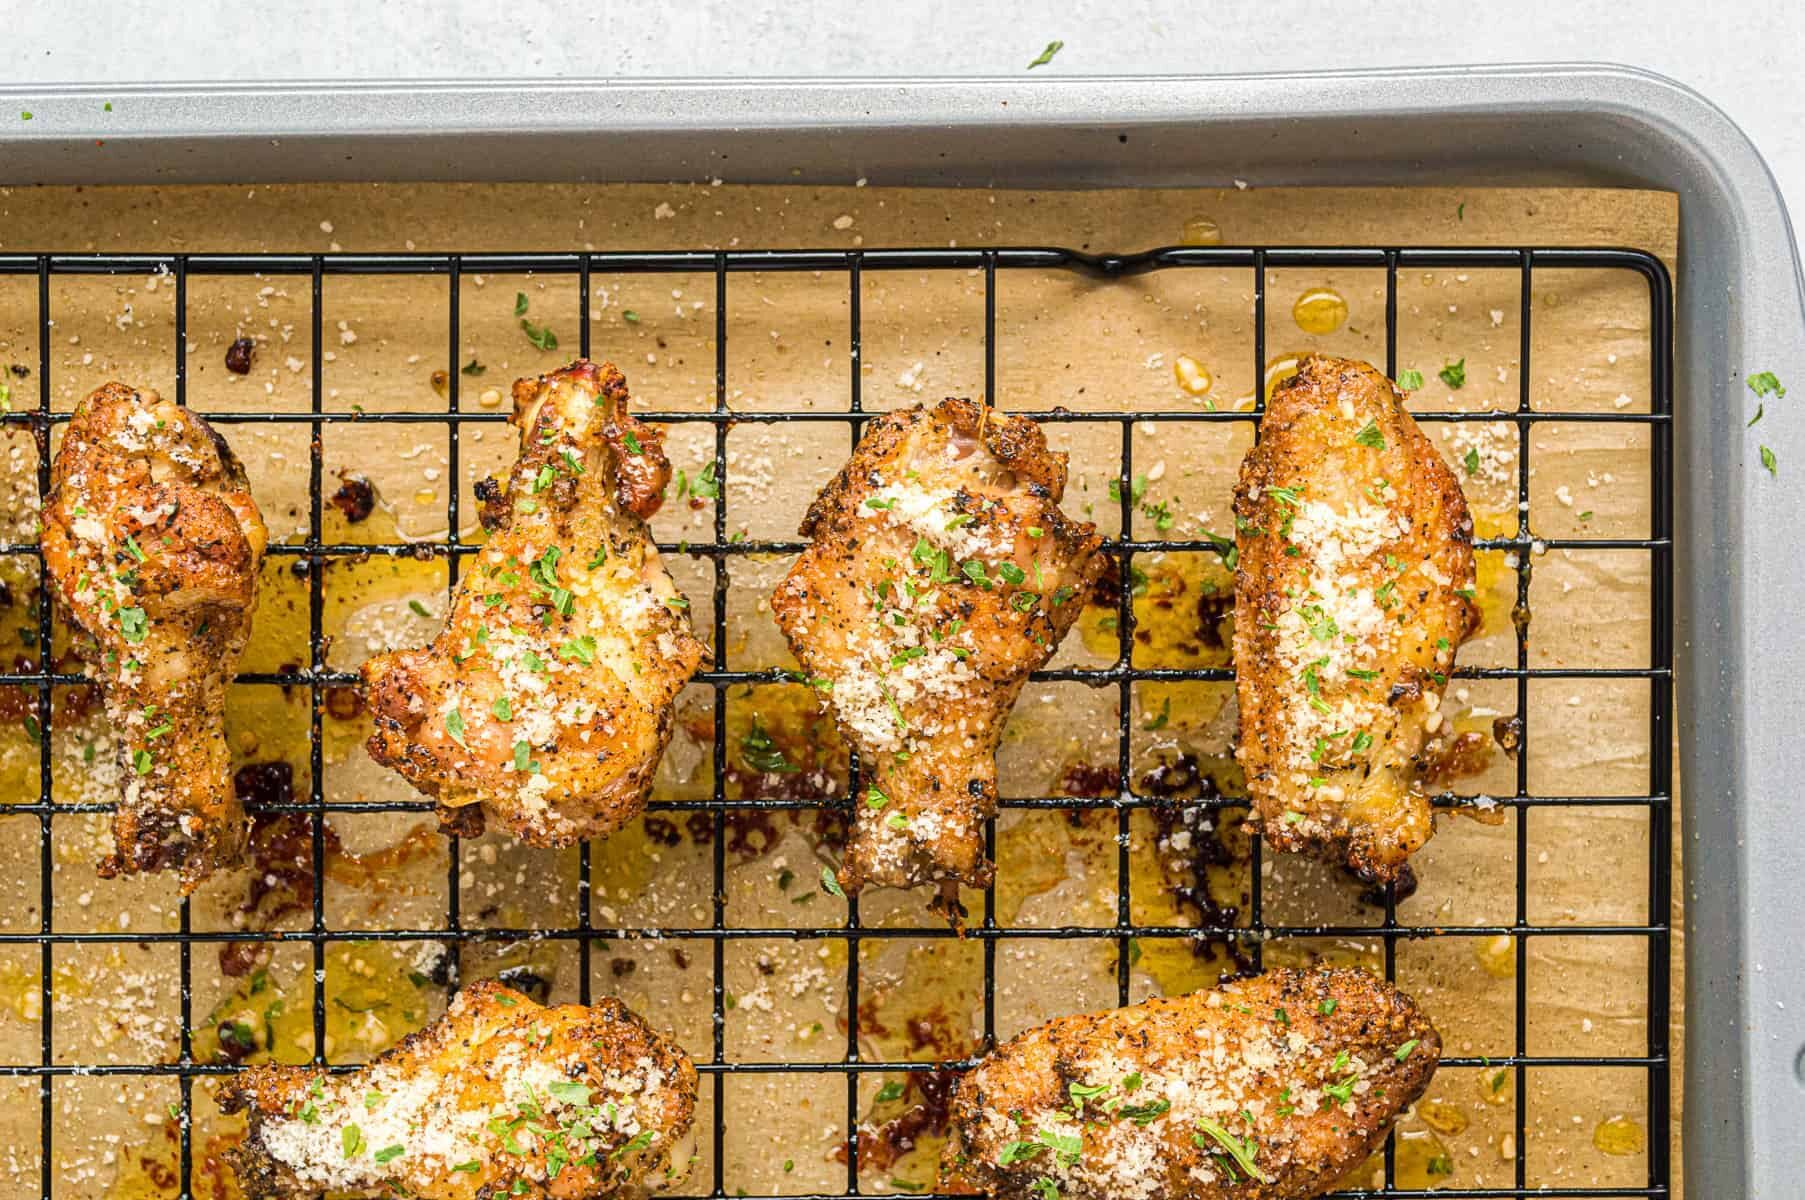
(1740, 55)
(1744, 56)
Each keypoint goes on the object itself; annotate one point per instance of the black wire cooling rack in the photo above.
(1122, 675)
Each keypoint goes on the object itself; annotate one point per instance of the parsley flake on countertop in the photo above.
(1046, 56)
(1766, 383)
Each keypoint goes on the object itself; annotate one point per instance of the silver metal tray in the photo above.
(1739, 310)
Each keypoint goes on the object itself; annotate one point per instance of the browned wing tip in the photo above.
(152, 840)
(1315, 370)
(1016, 442)
(641, 469)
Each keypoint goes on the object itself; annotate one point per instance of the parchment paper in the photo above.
(1062, 340)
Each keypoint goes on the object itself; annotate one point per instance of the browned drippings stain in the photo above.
(281, 881)
(355, 497)
(1207, 878)
(1461, 756)
(927, 1103)
(150, 1171)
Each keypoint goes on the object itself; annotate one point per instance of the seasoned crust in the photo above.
(152, 543)
(941, 572)
(464, 1098)
(1305, 1094)
(545, 702)
(1352, 594)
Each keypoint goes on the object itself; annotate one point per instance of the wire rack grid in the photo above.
(316, 677)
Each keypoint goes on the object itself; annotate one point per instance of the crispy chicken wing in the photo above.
(547, 697)
(499, 1097)
(1353, 592)
(1269, 1088)
(941, 572)
(152, 543)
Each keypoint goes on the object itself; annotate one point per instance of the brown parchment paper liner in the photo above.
(1062, 340)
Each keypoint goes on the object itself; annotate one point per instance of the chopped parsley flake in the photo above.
(1241, 1152)
(1144, 1114)
(579, 649)
(1454, 374)
(567, 1092)
(1370, 436)
(760, 753)
(1137, 487)
(1410, 380)
(1766, 383)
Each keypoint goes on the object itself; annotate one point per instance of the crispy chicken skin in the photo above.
(545, 702)
(1270, 1088)
(499, 1097)
(941, 572)
(152, 543)
(1352, 594)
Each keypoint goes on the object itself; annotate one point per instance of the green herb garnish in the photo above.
(1241, 1152)
(759, 752)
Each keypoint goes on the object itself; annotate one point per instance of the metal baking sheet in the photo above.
(1739, 311)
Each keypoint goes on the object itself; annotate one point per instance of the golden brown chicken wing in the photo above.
(547, 697)
(1269, 1088)
(1353, 592)
(499, 1097)
(941, 573)
(152, 544)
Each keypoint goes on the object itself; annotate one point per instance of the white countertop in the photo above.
(1744, 56)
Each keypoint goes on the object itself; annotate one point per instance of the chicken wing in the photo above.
(152, 543)
(941, 572)
(1353, 591)
(1272, 1087)
(546, 700)
(499, 1097)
